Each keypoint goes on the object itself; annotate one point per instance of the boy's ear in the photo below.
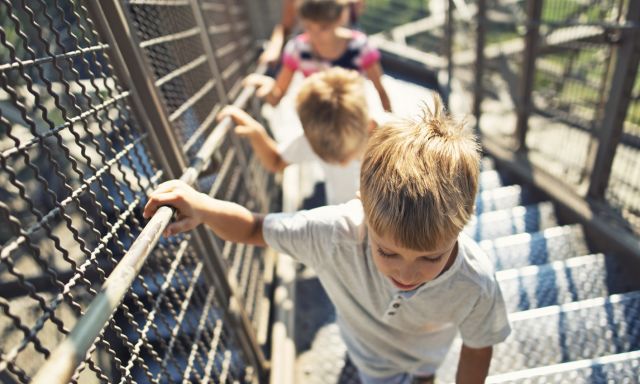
(372, 125)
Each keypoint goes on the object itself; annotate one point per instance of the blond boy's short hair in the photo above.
(419, 179)
(321, 11)
(333, 111)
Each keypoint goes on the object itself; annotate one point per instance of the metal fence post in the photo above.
(448, 41)
(626, 69)
(479, 70)
(524, 105)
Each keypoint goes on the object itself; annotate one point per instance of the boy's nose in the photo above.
(407, 276)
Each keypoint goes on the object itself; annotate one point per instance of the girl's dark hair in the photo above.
(321, 11)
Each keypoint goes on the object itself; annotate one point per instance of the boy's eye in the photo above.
(385, 254)
(431, 260)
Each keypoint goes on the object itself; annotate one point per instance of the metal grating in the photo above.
(75, 169)
(623, 190)
(572, 80)
(382, 15)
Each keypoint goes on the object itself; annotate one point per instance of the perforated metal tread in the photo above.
(490, 179)
(560, 282)
(529, 218)
(618, 368)
(507, 197)
(537, 248)
(559, 334)
(579, 330)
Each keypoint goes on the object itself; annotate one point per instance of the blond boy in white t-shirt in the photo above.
(402, 276)
(332, 108)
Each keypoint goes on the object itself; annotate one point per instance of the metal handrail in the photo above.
(62, 363)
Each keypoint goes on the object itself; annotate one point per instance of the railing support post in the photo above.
(600, 159)
(525, 89)
(448, 31)
(481, 20)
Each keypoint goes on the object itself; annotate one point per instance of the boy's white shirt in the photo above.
(341, 182)
(383, 340)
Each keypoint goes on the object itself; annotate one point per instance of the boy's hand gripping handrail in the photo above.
(62, 363)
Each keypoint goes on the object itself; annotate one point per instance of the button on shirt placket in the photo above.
(394, 306)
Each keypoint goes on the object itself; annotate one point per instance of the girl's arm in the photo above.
(269, 89)
(230, 221)
(280, 32)
(374, 73)
(283, 80)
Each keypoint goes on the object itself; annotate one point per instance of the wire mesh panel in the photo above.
(503, 54)
(75, 167)
(74, 171)
(229, 30)
(383, 15)
(573, 69)
(170, 40)
(623, 192)
(194, 87)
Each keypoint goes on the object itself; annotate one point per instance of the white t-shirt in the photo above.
(341, 183)
(388, 331)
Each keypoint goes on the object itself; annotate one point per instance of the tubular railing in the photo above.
(99, 101)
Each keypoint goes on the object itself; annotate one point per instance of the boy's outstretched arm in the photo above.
(473, 366)
(269, 89)
(230, 221)
(264, 146)
(374, 73)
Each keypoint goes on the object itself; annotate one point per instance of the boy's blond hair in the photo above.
(419, 179)
(333, 111)
(321, 11)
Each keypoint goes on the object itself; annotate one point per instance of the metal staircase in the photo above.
(101, 101)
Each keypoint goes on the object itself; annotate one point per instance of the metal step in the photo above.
(618, 368)
(560, 282)
(580, 330)
(587, 329)
(548, 245)
(489, 179)
(507, 197)
(528, 218)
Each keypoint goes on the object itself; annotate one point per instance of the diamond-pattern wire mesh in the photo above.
(571, 83)
(623, 190)
(74, 173)
(170, 39)
(575, 61)
(186, 78)
(229, 30)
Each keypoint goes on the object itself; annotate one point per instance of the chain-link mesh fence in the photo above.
(75, 167)
(573, 70)
(546, 72)
(623, 191)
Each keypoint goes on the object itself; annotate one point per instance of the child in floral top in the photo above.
(324, 44)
